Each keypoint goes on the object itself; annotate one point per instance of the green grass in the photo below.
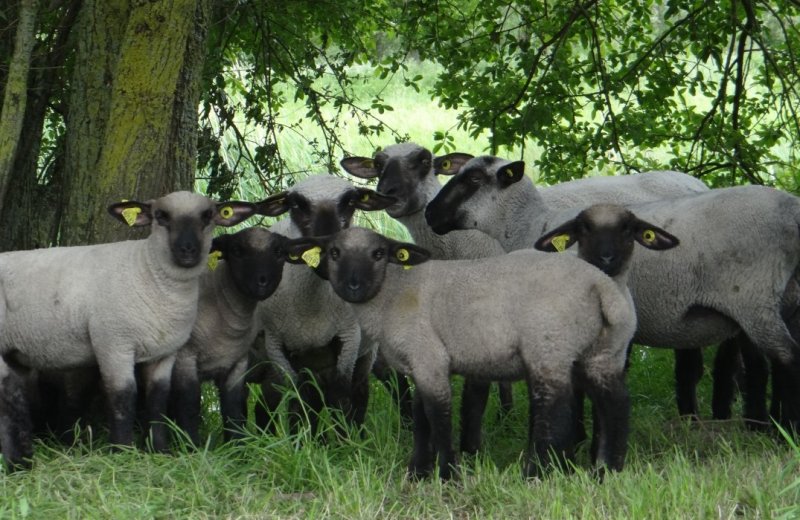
(675, 469)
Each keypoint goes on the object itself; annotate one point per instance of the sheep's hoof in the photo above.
(419, 472)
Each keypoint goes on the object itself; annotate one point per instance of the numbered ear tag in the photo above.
(226, 212)
(213, 259)
(560, 242)
(131, 214)
(649, 236)
(311, 257)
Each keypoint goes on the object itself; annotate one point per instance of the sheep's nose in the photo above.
(607, 259)
(262, 281)
(353, 285)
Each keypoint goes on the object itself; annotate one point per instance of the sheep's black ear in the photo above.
(220, 244)
(233, 212)
(558, 239)
(653, 237)
(407, 254)
(305, 250)
(274, 205)
(362, 167)
(132, 213)
(370, 200)
(450, 164)
(511, 173)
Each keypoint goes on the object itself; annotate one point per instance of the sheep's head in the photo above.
(183, 221)
(355, 260)
(472, 198)
(605, 234)
(322, 204)
(403, 172)
(255, 259)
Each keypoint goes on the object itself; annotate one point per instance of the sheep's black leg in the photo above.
(233, 401)
(15, 420)
(726, 365)
(421, 463)
(506, 393)
(551, 425)
(185, 398)
(611, 405)
(359, 393)
(473, 404)
(158, 377)
(688, 370)
(756, 378)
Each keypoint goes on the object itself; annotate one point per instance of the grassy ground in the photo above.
(675, 469)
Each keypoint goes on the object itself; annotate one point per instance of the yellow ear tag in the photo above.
(403, 255)
(509, 172)
(446, 165)
(369, 163)
(213, 259)
(293, 257)
(130, 214)
(226, 212)
(365, 197)
(560, 242)
(649, 236)
(311, 257)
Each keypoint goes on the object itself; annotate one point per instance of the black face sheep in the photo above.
(548, 319)
(408, 172)
(740, 252)
(244, 268)
(112, 305)
(304, 315)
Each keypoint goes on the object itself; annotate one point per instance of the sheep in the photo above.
(550, 320)
(304, 315)
(729, 277)
(408, 172)
(112, 305)
(246, 267)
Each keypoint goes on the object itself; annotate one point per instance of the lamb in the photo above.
(113, 305)
(728, 276)
(405, 171)
(552, 320)
(304, 315)
(246, 267)
(408, 172)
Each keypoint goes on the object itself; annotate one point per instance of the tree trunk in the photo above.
(16, 92)
(100, 29)
(148, 144)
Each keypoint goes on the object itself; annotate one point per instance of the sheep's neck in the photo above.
(525, 218)
(236, 308)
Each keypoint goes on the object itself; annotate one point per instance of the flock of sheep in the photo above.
(661, 260)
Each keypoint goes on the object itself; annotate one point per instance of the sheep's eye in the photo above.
(206, 216)
(333, 253)
(236, 251)
(162, 217)
(475, 178)
(425, 162)
(278, 251)
(378, 254)
(378, 163)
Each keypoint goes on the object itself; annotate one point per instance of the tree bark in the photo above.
(148, 144)
(16, 92)
(100, 29)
